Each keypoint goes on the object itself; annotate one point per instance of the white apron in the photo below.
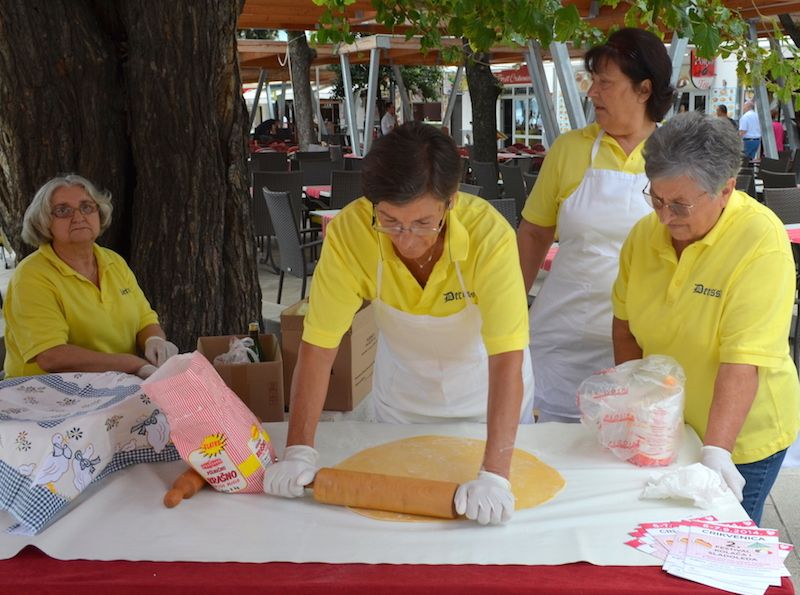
(432, 369)
(571, 316)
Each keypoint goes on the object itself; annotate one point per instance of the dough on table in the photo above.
(451, 458)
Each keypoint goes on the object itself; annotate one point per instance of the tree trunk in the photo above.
(300, 58)
(484, 90)
(143, 98)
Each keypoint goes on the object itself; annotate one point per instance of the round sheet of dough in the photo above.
(450, 458)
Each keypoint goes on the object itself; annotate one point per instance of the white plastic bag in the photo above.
(636, 409)
(240, 351)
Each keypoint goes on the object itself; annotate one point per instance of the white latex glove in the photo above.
(719, 460)
(288, 478)
(157, 350)
(146, 371)
(487, 499)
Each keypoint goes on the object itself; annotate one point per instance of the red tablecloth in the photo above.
(794, 235)
(313, 191)
(33, 572)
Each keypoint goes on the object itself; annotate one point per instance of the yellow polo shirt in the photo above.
(49, 304)
(727, 300)
(565, 165)
(476, 236)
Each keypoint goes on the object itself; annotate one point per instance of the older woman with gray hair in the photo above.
(73, 306)
(708, 278)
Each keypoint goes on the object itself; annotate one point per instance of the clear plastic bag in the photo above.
(636, 409)
(240, 351)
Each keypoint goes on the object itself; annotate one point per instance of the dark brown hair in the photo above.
(412, 160)
(640, 56)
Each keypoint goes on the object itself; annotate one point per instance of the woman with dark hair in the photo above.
(589, 195)
(440, 268)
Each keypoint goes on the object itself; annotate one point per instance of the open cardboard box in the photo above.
(259, 384)
(351, 374)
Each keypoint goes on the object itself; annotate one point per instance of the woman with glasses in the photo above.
(588, 195)
(73, 306)
(709, 279)
(441, 270)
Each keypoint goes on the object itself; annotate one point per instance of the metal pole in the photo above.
(408, 113)
(677, 50)
(320, 124)
(262, 76)
(372, 88)
(566, 78)
(451, 100)
(533, 56)
(762, 107)
(786, 107)
(347, 82)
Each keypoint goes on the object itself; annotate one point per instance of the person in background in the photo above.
(777, 128)
(722, 112)
(266, 132)
(441, 270)
(750, 130)
(73, 306)
(709, 279)
(389, 120)
(589, 193)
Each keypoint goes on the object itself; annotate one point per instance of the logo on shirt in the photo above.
(125, 290)
(700, 288)
(450, 296)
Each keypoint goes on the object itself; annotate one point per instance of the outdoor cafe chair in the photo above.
(337, 158)
(353, 164)
(291, 182)
(296, 257)
(530, 181)
(780, 165)
(514, 185)
(345, 188)
(316, 172)
(470, 189)
(507, 208)
(746, 183)
(314, 155)
(264, 231)
(485, 175)
(773, 179)
(270, 161)
(784, 202)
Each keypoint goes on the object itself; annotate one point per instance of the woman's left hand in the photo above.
(719, 460)
(157, 350)
(487, 499)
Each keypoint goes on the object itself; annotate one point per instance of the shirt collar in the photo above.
(50, 255)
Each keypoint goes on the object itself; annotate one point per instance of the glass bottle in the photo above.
(252, 331)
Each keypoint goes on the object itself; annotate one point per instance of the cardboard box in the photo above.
(351, 375)
(258, 385)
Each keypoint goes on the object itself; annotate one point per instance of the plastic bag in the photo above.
(212, 429)
(240, 351)
(636, 409)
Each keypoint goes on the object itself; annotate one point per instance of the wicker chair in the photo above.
(507, 208)
(484, 174)
(773, 179)
(264, 231)
(470, 189)
(271, 161)
(746, 183)
(781, 165)
(353, 164)
(530, 181)
(291, 182)
(296, 257)
(514, 185)
(337, 158)
(316, 171)
(785, 202)
(345, 188)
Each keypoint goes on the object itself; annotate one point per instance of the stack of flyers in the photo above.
(737, 557)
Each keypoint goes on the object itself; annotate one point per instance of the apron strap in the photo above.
(596, 146)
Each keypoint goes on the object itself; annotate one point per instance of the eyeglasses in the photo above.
(66, 211)
(396, 230)
(678, 209)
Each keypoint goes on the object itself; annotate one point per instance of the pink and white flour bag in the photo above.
(211, 427)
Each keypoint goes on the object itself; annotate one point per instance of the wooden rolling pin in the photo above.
(426, 497)
(185, 486)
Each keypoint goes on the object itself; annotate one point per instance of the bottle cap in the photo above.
(253, 326)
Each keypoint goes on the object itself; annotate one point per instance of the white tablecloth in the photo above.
(124, 519)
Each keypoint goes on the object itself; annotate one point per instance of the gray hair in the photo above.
(704, 148)
(39, 217)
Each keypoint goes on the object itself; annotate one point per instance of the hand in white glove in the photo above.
(146, 371)
(288, 478)
(719, 460)
(157, 350)
(487, 499)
